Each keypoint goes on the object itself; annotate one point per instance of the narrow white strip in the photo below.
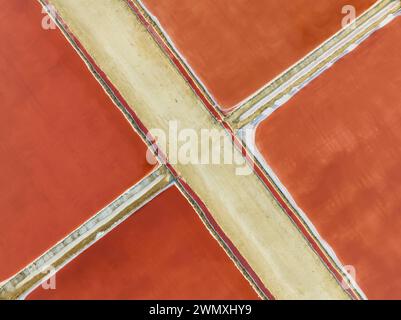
(278, 102)
(247, 134)
(171, 43)
(79, 235)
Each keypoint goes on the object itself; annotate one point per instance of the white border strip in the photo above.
(272, 97)
(171, 43)
(247, 134)
(79, 235)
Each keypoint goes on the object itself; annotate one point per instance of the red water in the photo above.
(336, 146)
(238, 46)
(162, 252)
(65, 149)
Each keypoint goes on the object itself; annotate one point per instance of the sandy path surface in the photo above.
(257, 226)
